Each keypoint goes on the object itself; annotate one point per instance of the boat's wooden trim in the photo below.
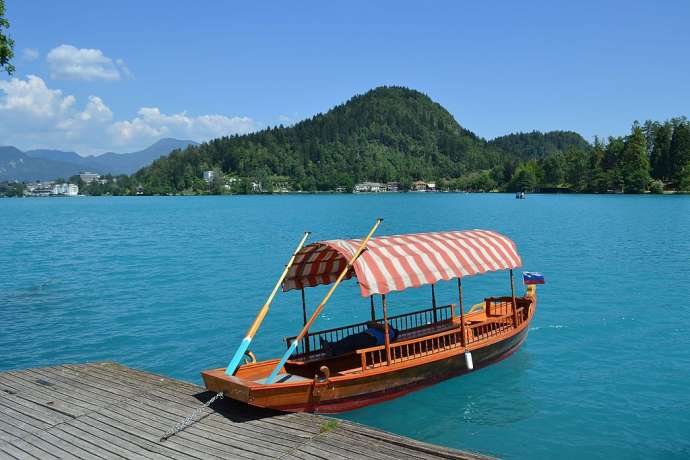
(408, 350)
(405, 323)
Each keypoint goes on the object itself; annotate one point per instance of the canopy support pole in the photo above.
(512, 294)
(304, 308)
(293, 346)
(239, 353)
(385, 329)
(433, 301)
(462, 313)
(304, 317)
(373, 309)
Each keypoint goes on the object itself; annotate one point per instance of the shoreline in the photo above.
(298, 193)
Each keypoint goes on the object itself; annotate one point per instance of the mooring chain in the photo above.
(190, 418)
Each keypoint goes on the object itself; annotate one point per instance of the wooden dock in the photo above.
(106, 410)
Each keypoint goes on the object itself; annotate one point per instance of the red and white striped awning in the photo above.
(395, 263)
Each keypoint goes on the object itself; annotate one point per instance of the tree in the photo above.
(634, 164)
(217, 184)
(679, 155)
(684, 178)
(660, 159)
(11, 189)
(656, 187)
(576, 161)
(553, 166)
(596, 178)
(524, 180)
(6, 43)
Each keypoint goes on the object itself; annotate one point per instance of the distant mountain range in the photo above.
(45, 164)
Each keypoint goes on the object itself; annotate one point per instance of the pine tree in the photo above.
(553, 166)
(679, 156)
(634, 164)
(596, 178)
(660, 155)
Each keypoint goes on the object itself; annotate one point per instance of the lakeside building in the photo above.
(368, 187)
(375, 187)
(50, 188)
(65, 189)
(281, 187)
(418, 186)
(392, 187)
(230, 182)
(421, 186)
(209, 175)
(88, 177)
(39, 188)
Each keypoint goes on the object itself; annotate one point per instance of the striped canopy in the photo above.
(395, 263)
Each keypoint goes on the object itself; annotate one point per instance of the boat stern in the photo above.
(233, 387)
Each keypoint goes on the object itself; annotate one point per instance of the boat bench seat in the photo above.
(433, 328)
(284, 378)
(424, 330)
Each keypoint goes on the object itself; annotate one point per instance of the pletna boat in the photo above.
(344, 368)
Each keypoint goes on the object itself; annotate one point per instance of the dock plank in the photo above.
(75, 450)
(52, 450)
(8, 450)
(32, 409)
(106, 410)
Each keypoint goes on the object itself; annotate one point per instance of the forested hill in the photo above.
(387, 134)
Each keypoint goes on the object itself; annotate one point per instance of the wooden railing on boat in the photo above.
(406, 324)
(500, 319)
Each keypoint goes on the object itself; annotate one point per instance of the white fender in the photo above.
(468, 360)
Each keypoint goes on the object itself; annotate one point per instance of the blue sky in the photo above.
(97, 76)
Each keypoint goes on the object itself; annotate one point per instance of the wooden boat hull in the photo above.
(413, 378)
(351, 391)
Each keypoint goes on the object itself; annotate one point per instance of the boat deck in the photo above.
(106, 410)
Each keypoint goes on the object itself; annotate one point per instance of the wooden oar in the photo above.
(293, 345)
(230, 370)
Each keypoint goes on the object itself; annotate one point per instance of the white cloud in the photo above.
(32, 115)
(30, 54)
(32, 98)
(123, 68)
(151, 124)
(71, 63)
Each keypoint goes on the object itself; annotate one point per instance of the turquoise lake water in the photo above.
(170, 284)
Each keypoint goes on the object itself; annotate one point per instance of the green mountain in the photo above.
(387, 134)
(538, 145)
